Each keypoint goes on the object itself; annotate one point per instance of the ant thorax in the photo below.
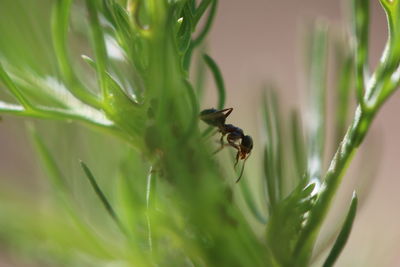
(229, 128)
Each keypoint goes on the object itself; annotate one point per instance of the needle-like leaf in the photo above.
(219, 81)
(98, 45)
(317, 91)
(344, 233)
(102, 196)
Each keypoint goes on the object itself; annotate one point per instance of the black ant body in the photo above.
(234, 135)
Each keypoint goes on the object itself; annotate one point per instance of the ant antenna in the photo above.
(241, 171)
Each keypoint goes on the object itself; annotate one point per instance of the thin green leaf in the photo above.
(298, 144)
(207, 26)
(318, 54)
(344, 233)
(107, 11)
(343, 99)
(60, 29)
(185, 31)
(195, 110)
(111, 82)
(91, 118)
(200, 10)
(102, 196)
(134, 8)
(55, 174)
(317, 91)
(270, 178)
(219, 81)
(361, 32)
(286, 220)
(200, 78)
(192, 5)
(249, 199)
(98, 45)
(59, 184)
(278, 151)
(150, 195)
(269, 153)
(60, 26)
(14, 89)
(386, 78)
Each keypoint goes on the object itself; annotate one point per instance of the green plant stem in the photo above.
(333, 177)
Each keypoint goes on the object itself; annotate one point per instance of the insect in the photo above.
(234, 135)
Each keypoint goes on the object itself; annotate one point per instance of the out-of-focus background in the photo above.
(261, 41)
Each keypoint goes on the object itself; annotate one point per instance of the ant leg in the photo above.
(231, 140)
(221, 141)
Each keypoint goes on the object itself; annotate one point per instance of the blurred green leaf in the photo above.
(250, 202)
(317, 92)
(207, 26)
(60, 24)
(98, 45)
(286, 221)
(345, 79)
(273, 149)
(298, 144)
(219, 81)
(14, 89)
(361, 32)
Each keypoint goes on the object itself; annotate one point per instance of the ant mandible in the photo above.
(234, 134)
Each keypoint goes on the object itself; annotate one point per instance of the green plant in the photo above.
(164, 199)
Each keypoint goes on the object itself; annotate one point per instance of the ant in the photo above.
(234, 134)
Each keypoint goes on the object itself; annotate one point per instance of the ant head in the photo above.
(247, 144)
(213, 117)
(245, 149)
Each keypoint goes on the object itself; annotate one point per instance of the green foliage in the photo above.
(158, 197)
